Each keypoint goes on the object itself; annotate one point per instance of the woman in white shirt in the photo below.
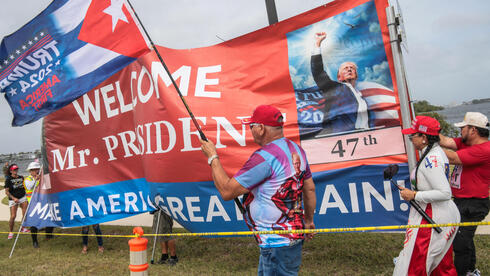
(425, 251)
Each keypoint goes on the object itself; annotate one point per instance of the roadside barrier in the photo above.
(250, 233)
(138, 263)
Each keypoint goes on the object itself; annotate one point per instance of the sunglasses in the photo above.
(252, 125)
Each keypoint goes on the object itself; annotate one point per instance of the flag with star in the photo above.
(64, 52)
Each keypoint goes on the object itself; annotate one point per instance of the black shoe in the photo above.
(173, 261)
(162, 261)
(35, 244)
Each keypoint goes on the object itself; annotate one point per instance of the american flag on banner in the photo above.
(68, 49)
(381, 102)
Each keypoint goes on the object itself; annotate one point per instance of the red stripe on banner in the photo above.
(376, 91)
(383, 106)
(386, 122)
(418, 262)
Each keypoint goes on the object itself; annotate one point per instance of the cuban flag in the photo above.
(64, 52)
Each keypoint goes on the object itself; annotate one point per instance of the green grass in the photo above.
(327, 254)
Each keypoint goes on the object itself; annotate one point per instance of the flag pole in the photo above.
(201, 133)
(270, 5)
(403, 93)
(24, 218)
(203, 137)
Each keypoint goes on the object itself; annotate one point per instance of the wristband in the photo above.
(210, 159)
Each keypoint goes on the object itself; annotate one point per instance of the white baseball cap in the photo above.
(476, 119)
(33, 165)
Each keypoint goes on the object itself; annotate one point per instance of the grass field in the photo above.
(327, 254)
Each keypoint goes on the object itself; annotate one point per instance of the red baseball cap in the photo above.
(14, 167)
(266, 115)
(424, 124)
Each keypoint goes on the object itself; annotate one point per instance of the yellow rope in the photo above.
(250, 233)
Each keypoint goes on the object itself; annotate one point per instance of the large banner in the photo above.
(129, 144)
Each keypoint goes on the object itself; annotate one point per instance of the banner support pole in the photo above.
(401, 82)
(270, 5)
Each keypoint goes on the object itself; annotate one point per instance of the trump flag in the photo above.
(68, 49)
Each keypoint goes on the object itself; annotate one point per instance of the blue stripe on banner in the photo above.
(349, 202)
(198, 207)
(89, 205)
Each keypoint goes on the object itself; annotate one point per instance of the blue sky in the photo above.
(448, 59)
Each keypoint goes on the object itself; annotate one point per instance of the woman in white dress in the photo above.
(425, 251)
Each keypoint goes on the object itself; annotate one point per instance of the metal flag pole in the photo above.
(24, 216)
(203, 137)
(400, 81)
(152, 261)
(270, 5)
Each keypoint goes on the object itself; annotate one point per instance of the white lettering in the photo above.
(191, 209)
(130, 200)
(114, 203)
(110, 146)
(337, 203)
(58, 159)
(92, 205)
(88, 108)
(108, 100)
(221, 212)
(176, 209)
(201, 82)
(75, 210)
(369, 190)
(186, 132)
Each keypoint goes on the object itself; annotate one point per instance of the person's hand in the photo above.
(208, 148)
(319, 37)
(16, 200)
(309, 225)
(407, 194)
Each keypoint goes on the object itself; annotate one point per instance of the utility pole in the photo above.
(401, 82)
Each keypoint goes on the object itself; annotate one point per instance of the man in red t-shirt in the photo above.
(470, 182)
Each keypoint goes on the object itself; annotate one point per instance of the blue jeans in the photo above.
(97, 232)
(283, 260)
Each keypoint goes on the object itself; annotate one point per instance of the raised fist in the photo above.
(319, 37)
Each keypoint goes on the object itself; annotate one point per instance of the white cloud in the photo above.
(374, 27)
(378, 73)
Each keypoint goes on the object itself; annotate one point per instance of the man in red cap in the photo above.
(470, 182)
(275, 180)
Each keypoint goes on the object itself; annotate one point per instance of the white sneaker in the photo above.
(11, 235)
(475, 272)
